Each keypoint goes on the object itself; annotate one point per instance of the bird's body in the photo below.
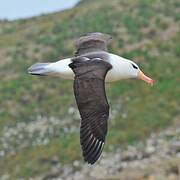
(90, 68)
(61, 68)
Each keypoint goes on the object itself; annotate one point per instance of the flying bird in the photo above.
(90, 67)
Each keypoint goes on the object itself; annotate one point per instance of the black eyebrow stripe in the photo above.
(134, 66)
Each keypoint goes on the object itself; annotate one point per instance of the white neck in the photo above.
(121, 68)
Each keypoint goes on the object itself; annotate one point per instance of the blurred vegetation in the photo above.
(146, 31)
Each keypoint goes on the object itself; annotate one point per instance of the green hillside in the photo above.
(38, 115)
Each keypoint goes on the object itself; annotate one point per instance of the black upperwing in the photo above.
(89, 90)
(92, 42)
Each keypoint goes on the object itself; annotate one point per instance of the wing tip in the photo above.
(93, 36)
(91, 156)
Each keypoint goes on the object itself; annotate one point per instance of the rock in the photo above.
(150, 149)
(76, 163)
(5, 177)
(175, 145)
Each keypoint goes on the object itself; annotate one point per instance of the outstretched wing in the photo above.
(92, 42)
(89, 90)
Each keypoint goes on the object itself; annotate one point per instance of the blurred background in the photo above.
(39, 120)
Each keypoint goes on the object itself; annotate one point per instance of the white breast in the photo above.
(118, 70)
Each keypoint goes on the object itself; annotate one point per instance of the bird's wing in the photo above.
(92, 42)
(89, 90)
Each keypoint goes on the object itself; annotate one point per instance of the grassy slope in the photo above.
(146, 31)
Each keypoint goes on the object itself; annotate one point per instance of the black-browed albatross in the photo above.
(90, 68)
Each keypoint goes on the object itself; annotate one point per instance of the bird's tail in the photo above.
(40, 69)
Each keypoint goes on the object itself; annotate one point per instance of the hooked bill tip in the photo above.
(152, 82)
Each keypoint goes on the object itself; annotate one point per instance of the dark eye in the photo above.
(134, 66)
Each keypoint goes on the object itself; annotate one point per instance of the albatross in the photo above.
(90, 67)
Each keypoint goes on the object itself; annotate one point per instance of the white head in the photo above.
(125, 69)
(133, 71)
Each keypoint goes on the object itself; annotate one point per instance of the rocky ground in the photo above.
(158, 158)
(36, 132)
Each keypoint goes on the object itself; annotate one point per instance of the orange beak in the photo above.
(145, 78)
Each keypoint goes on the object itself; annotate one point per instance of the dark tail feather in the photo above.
(39, 69)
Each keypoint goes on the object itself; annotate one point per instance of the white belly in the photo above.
(61, 68)
(111, 76)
